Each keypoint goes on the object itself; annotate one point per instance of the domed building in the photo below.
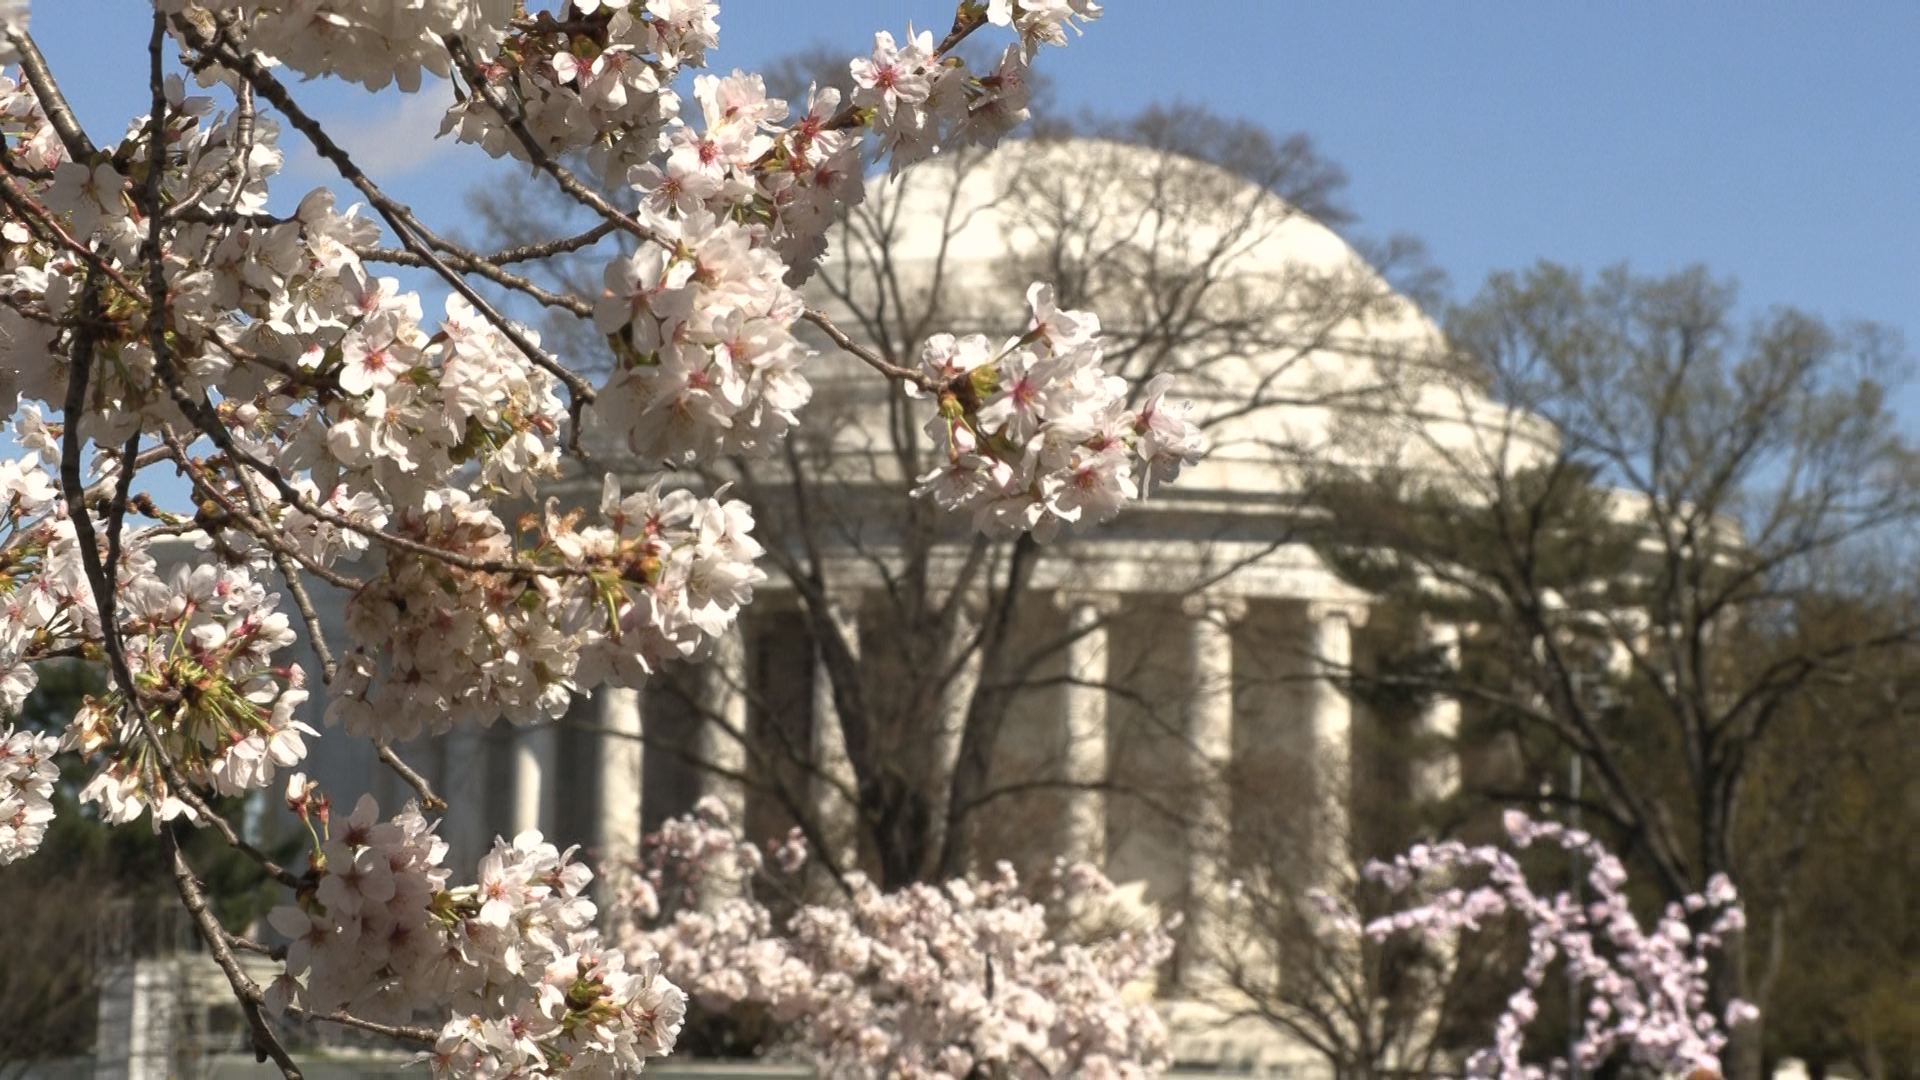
(1159, 695)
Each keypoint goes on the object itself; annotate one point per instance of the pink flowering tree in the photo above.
(970, 978)
(159, 317)
(1646, 991)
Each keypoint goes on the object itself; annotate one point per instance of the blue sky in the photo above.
(1778, 143)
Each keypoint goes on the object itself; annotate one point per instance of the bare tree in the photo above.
(1642, 541)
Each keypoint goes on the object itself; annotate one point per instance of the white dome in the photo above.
(1294, 337)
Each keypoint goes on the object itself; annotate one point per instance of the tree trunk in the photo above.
(1741, 1059)
(972, 771)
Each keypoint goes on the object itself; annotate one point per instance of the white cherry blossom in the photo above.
(335, 436)
(27, 775)
(930, 981)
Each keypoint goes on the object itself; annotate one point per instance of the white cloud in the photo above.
(389, 135)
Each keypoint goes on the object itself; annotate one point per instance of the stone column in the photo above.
(464, 786)
(137, 1019)
(1209, 720)
(1437, 775)
(536, 751)
(1330, 717)
(723, 730)
(622, 761)
(1085, 707)
(723, 748)
(1436, 772)
(834, 782)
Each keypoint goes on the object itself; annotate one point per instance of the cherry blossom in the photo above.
(371, 42)
(215, 707)
(1042, 21)
(13, 16)
(931, 981)
(1646, 988)
(27, 774)
(528, 984)
(1037, 435)
(336, 431)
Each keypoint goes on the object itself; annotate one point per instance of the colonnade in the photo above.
(1208, 721)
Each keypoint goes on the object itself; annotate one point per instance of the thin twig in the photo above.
(428, 799)
(872, 359)
(101, 487)
(117, 510)
(290, 573)
(508, 256)
(486, 269)
(182, 791)
(237, 168)
(36, 314)
(51, 229)
(259, 527)
(252, 1002)
(424, 1036)
(19, 171)
(272, 952)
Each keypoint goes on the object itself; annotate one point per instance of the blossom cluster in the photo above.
(930, 981)
(344, 418)
(27, 774)
(213, 166)
(528, 985)
(29, 621)
(213, 706)
(1036, 435)
(375, 43)
(1647, 990)
(700, 321)
(336, 431)
(598, 78)
(661, 580)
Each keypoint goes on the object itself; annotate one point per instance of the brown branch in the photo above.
(74, 409)
(291, 575)
(52, 101)
(252, 1002)
(486, 269)
(406, 772)
(51, 229)
(242, 151)
(19, 171)
(421, 1035)
(872, 359)
(200, 215)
